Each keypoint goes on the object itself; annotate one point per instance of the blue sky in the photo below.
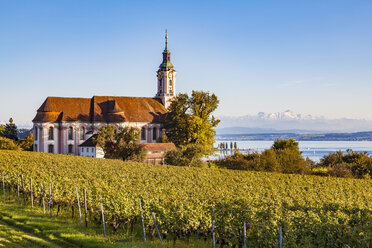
(313, 57)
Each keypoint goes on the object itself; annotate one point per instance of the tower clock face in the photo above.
(170, 75)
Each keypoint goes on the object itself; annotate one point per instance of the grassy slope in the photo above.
(22, 226)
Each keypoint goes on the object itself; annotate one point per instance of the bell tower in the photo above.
(166, 77)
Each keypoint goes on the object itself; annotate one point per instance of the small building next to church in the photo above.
(63, 124)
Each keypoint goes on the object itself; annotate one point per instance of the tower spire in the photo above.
(166, 39)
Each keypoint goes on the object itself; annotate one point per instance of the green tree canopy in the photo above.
(290, 144)
(10, 130)
(190, 155)
(190, 120)
(8, 144)
(27, 143)
(2, 128)
(121, 143)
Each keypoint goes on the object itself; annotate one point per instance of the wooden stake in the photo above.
(78, 202)
(18, 186)
(280, 237)
(85, 208)
(245, 235)
(50, 199)
(4, 186)
(43, 199)
(31, 195)
(143, 222)
(157, 229)
(213, 236)
(23, 189)
(103, 218)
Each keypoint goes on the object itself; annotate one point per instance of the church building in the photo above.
(62, 124)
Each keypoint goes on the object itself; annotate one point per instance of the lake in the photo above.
(312, 149)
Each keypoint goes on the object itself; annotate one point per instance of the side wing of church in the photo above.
(62, 123)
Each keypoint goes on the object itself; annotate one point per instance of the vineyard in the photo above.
(312, 211)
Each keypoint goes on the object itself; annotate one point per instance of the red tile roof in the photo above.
(159, 146)
(101, 109)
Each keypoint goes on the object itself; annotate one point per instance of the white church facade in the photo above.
(62, 124)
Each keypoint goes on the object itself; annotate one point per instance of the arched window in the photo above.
(82, 133)
(170, 86)
(51, 133)
(51, 148)
(70, 148)
(154, 133)
(70, 133)
(35, 149)
(36, 132)
(143, 133)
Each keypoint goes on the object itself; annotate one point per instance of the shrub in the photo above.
(238, 161)
(269, 161)
(190, 155)
(341, 170)
(291, 161)
(8, 144)
(355, 164)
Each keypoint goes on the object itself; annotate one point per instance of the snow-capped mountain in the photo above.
(286, 115)
(290, 121)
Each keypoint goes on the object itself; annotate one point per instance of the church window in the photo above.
(70, 133)
(36, 132)
(143, 133)
(51, 148)
(154, 133)
(70, 148)
(82, 133)
(35, 149)
(82, 149)
(51, 133)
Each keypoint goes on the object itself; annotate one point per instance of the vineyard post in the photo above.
(78, 202)
(43, 199)
(4, 187)
(50, 199)
(213, 236)
(280, 237)
(85, 208)
(103, 218)
(18, 186)
(23, 189)
(157, 229)
(31, 195)
(245, 235)
(143, 222)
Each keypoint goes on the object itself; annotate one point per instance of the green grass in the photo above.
(23, 226)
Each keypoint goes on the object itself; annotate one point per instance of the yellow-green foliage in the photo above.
(314, 211)
(8, 144)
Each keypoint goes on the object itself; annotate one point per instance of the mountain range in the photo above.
(289, 122)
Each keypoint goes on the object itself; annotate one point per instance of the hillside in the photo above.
(313, 211)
